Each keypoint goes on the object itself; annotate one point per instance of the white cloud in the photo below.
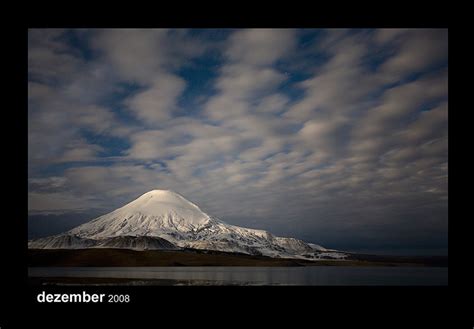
(417, 49)
(79, 151)
(139, 55)
(242, 81)
(260, 46)
(124, 46)
(273, 103)
(157, 103)
(397, 104)
(50, 60)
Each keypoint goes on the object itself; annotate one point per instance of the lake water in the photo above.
(317, 275)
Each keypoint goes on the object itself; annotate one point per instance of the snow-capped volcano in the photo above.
(151, 214)
(162, 219)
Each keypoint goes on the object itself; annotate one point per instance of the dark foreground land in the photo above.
(89, 281)
(126, 257)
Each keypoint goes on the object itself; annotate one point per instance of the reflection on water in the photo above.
(317, 275)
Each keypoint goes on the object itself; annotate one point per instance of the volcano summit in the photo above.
(162, 219)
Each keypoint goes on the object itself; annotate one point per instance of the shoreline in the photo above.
(185, 258)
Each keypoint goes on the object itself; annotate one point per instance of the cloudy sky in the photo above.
(338, 137)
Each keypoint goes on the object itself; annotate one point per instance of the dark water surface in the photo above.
(316, 275)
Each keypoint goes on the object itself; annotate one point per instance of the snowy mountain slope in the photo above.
(317, 247)
(177, 222)
(62, 241)
(67, 241)
(151, 214)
